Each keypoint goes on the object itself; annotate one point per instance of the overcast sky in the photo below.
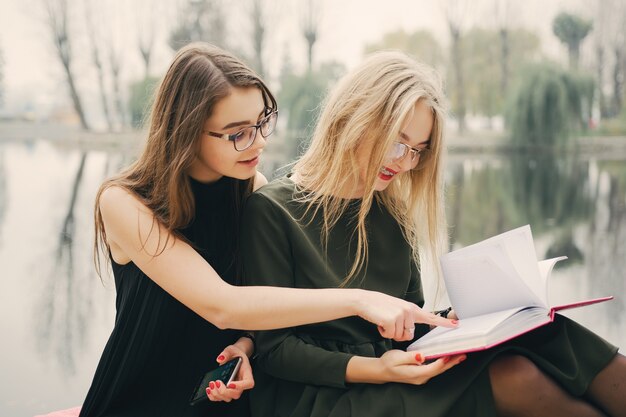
(33, 73)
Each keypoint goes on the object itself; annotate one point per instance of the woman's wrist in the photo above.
(357, 302)
(366, 370)
(246, 344)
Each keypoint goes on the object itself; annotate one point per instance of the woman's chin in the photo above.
(243, 174)
(381, 185)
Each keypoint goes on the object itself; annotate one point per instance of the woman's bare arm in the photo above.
(183, 273)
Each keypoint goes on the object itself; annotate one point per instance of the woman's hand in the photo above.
(395, 317)
(397, 366)
(217, 391)
(407, 368)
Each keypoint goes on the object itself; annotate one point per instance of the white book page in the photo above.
(545, 269)
(485, 284)
(521, 249)
(468, 328)
(512, 251)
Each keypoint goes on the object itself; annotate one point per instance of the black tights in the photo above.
(521, 389)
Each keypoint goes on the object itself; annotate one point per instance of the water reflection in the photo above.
(487, 197)
(65, 304)
(55, 315)
(65, 311)
(606, 261)
(576, 207)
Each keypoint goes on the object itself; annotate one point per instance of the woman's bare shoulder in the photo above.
(115, 198)
(259, 181)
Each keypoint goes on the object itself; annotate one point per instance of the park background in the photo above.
(537, 135)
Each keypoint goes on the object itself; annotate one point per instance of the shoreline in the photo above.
(68, 137)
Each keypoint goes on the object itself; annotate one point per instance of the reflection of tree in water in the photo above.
(479, 202)
(65, 310)
(555, 195)
(66, 304)
(551, 194)
(606, 250)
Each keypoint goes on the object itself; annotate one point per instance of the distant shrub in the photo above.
(547, 105)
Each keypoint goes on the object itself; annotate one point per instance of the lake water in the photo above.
(55, 314)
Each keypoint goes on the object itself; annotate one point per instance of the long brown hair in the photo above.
(199, 76)
(371, 103)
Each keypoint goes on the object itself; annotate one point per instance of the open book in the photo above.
(498, 290)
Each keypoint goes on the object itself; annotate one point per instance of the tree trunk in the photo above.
(457, 62)
(258, 39)
(78, 107)
(57, 19)
(103, 98)
(310, 32)
(574, 55)
(604, 111)
(117, 92)
(504, 60)
(146, 53)
(100, 71)
(310, 39)
(618, 82)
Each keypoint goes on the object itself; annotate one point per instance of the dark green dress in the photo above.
(300, 371)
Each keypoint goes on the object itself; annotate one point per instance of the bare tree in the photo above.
(602, 19)
(95, 40)
(146, 14)
(619, 58)
(57, 19)
(310, 29)
(504, 16)
(610, 54)
(199, 20)
(455, 14)
(259, 23)
(115, 62)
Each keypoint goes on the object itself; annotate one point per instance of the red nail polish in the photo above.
(462, 359)
(220, 358)
(232, 386)
(454, 321)
(446, 359)
(419, 357)
(208, 391)
(211, 385)
(217, 383)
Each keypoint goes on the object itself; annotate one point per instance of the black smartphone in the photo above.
(224, 373)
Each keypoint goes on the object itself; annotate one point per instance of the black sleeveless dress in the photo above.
(159, 349)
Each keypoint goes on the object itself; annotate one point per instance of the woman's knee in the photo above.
(515, 372)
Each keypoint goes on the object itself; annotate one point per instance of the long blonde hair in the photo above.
(372, 102)
(199, 76)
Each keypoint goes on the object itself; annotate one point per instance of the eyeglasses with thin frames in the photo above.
(244, 138)
(399, 151)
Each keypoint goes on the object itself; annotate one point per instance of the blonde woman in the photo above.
(362, 208)
(169, 224)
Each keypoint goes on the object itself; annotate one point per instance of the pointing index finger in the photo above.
(440, 321)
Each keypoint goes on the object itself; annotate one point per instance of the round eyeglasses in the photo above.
(399, 151)
(245, 137)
